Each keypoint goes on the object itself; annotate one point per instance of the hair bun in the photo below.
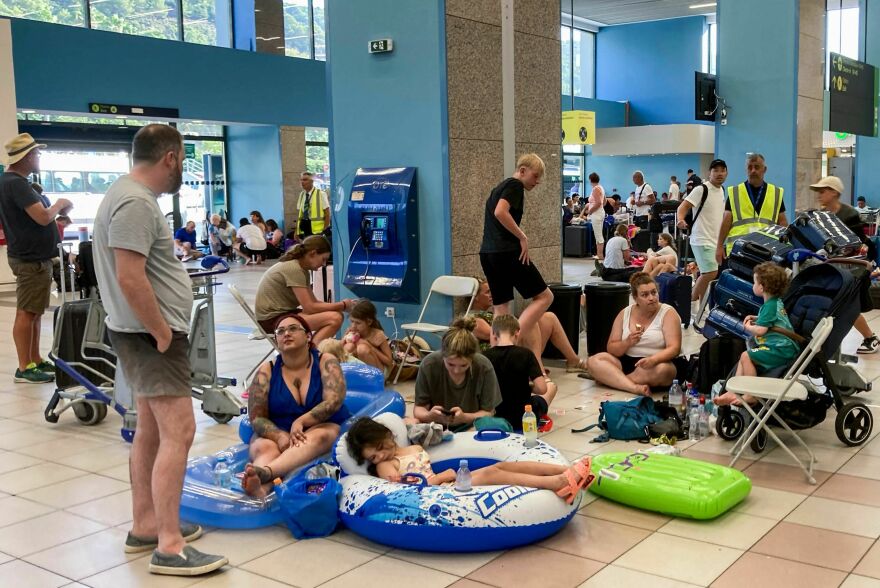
(467, 323)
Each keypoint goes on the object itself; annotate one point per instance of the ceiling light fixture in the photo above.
(706, 5)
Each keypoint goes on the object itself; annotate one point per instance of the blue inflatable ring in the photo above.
(204, 503)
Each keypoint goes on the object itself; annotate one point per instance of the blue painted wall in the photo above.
(254, 171)
(390, 110)
(868, 148)
(64, 68)
(652, 65)
(608, 113)
(757, 76)
(616, 171)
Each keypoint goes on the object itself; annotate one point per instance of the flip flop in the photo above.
(546, 425)
(579, 368)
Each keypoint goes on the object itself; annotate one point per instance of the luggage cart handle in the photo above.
(209, 264)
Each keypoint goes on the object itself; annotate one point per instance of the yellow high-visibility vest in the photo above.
(745, 218)
(316, 215)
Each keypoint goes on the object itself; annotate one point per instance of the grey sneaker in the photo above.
(189, 562)
(135, 544)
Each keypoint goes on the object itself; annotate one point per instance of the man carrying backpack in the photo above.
(707, 202)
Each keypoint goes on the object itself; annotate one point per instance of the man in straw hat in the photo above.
(32, 244)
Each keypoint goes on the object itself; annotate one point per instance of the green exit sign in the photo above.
(189, 150)
(381, 46)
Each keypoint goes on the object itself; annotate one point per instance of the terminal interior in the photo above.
(264, 90)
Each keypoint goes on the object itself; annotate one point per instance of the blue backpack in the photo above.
(624, 420)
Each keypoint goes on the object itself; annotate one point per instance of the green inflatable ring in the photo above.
(667, 484)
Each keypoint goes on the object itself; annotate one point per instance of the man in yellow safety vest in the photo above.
(751, 206)
(313, 208)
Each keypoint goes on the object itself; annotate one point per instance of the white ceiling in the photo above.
(611, 12)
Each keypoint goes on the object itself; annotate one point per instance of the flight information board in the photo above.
(853, 95)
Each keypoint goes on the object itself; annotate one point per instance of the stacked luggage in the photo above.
(821, 230)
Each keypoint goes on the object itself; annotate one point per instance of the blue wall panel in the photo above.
(757, 77)
(254, 171)
(64, 68)
(616, 171)
(868, 148)
(608, 113)
(652, 65)
(390, 110)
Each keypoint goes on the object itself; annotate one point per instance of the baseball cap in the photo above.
(718, 163)
(828, 182)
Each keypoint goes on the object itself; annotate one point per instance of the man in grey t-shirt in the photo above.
(148, 298)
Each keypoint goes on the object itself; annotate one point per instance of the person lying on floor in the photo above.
(770, 349)
(645, 338)
(373, 442)
(295, 405)
(547, 330)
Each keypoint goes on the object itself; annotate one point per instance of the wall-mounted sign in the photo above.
(189, 150)
(852, 95)
(128, 110)
(578, 127)
(381, 46)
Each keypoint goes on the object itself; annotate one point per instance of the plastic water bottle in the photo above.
(694, 418)
(716, 392)
(675, 399)
(704, 418)
(222, 473)
(530, 427)
(463, 477)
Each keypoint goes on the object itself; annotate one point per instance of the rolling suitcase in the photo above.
(675, 290)
(820, 229)
(72, 330)
(755, 248)
(578, 240)
(734, 293)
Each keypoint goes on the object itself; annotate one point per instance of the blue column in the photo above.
(757, 77)
(390, 110)
(868, 148)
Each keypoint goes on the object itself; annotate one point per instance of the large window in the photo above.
(197, 22)
(710, 48)
(66, 12)
(304, 29)
(578, 62)
(842, 33)
(318, 154)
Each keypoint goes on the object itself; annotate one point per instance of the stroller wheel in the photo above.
(759, 442)
(730, 423)
(854, 423)
(90, 413)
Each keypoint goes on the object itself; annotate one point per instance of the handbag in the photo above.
(624, 420)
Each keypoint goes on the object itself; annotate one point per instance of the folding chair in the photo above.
(452, 286)
(774, 391)
(258, 334)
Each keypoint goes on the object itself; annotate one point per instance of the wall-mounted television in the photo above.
(705, 101)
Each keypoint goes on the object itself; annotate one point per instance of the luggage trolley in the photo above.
(86, 377)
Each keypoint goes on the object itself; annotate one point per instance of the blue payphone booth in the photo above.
(383, 219)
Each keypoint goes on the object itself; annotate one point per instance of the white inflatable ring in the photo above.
(438, 518)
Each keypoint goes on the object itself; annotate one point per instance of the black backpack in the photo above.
(716, 361)
(691, 216)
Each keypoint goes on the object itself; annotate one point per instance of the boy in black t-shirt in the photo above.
(519, 376)
(504, 252)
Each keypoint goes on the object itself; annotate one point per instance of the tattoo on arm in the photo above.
(334, 389)
(258, 405)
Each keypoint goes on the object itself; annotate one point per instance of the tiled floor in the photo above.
(65, 507)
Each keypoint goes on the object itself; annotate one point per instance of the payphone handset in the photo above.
(376, 231)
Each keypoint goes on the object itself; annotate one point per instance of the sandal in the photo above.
(580, 367)
(570, 492)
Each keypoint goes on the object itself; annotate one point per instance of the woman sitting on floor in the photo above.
(295, 405)
(644, 340)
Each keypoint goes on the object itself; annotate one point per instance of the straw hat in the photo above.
(17, 148)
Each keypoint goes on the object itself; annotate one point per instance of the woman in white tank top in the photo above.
(644, 340)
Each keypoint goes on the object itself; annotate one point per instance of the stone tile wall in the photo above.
(811, 81)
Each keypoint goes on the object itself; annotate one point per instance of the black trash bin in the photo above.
(567, 308)
(604, 301)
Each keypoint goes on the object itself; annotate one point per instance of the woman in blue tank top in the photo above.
(295, 404)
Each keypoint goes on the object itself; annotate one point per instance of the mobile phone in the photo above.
(447, 412)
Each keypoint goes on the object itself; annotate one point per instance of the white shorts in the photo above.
(598, 223)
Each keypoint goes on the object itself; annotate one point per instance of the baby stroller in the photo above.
(821, 290)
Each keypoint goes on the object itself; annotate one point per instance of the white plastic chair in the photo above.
(453, 286)
(774, 391)
(258, 334)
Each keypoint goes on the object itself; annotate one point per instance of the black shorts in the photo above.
(540, 407)
(628, 363)
(250, 252)
(504, 272)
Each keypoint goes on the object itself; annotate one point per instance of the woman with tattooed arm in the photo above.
(295, 405)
